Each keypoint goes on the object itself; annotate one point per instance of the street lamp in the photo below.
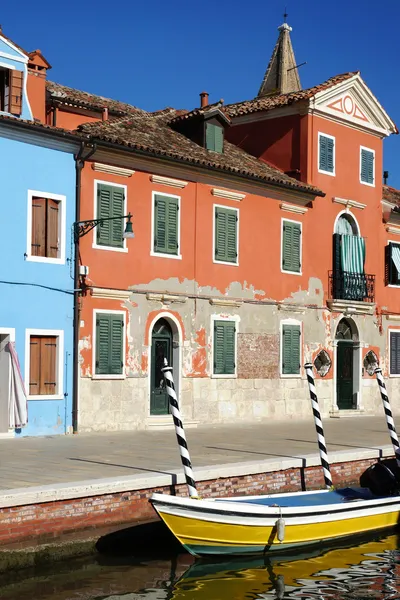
(81, 228)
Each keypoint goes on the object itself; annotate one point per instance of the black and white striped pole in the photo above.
(180, 433)
(388, 414)
(318, 426)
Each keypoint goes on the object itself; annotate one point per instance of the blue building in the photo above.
(37, 195)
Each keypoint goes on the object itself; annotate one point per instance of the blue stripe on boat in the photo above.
(317, 499)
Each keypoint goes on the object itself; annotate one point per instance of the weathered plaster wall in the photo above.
(258, 392)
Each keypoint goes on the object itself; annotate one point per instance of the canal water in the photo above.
(368, 570)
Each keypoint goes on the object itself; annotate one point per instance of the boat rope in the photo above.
(388, 414)
(180, 433)
(318, 425)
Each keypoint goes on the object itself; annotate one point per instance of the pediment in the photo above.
(353, 101)
(9, 50)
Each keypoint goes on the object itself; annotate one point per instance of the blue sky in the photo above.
(165, 52)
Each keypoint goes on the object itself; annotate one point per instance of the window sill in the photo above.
(330, 173)
(290, 376)
(122, 376)
(162, 255)
(394, 285)
(45, 259)
(292, 272)
(394, 375)
(368, 184)
(223, 376)
(223, 262)
(110, 248)
(49, 397)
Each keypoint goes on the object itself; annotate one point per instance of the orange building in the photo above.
(262, 240)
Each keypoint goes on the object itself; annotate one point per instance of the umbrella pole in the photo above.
(180, 433)
(388, 414)
(318, 426)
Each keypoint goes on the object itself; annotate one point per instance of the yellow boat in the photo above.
(368, 565)
(279, 522)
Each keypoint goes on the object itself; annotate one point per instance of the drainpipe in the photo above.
(80, 159)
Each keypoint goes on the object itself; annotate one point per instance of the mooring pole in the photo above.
(318, 426)
(180, 432)
(388, 414)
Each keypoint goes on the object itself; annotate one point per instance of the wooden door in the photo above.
(344, 375)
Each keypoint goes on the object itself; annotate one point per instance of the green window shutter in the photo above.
(367, 166)
(214, 137)
(116, 344)
(290, 349)
(166, 223)
(102, 343)
(224, 348)
(326, 154)
(226, 242)
(109, 344)
(110, 203)
(291, 246)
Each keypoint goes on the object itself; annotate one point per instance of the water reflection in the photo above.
(367, 571)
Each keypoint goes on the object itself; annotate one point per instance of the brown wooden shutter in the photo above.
(38, 242)
(52, 229)
(34, 366)
(16, 82)
(48, 381)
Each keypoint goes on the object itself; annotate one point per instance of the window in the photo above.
(11, 82)
(43, 364)
(109, 344)
(392, 264)
(326, 154)
(214, 137)
(166, 224)
(226, 235)
(224, 348)
(290, 355)
(46, 227)
(110, 203)
(394, 346)
(291, 246)
(367, 168)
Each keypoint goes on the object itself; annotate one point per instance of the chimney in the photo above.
(385, 177)
(203, 99)
(105, 114)
(36, 84)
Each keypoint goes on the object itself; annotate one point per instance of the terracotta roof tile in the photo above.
(151, 134)
(274, 101)
(67, 95)
(391, 194)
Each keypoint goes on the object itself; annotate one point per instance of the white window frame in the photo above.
(224, 262)
(165, 254)
(60, 260)
(122, 375)
(111, 184)
(333, 173)
(373, 153)
(283, 219)
(393, 285)
(281, 324)
(223, 317)
(59, 333)
(392, 330)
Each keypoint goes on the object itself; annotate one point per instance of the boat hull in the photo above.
(237, 527)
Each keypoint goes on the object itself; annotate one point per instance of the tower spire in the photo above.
(281, 76)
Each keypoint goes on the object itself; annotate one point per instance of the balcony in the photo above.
(351, 292)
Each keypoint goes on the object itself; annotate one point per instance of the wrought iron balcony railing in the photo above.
(344, 285)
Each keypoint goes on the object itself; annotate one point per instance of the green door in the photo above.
(161, 347)
(344, 375)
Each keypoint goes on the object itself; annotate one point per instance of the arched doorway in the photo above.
(161, 347)
(347, 358)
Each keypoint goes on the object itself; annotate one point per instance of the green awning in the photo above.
(353, 253)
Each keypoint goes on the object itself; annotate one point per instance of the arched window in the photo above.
(346, 225)
(348, 278)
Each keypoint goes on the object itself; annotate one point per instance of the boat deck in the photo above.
(314, 499)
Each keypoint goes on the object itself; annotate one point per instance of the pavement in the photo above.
(58, 461)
